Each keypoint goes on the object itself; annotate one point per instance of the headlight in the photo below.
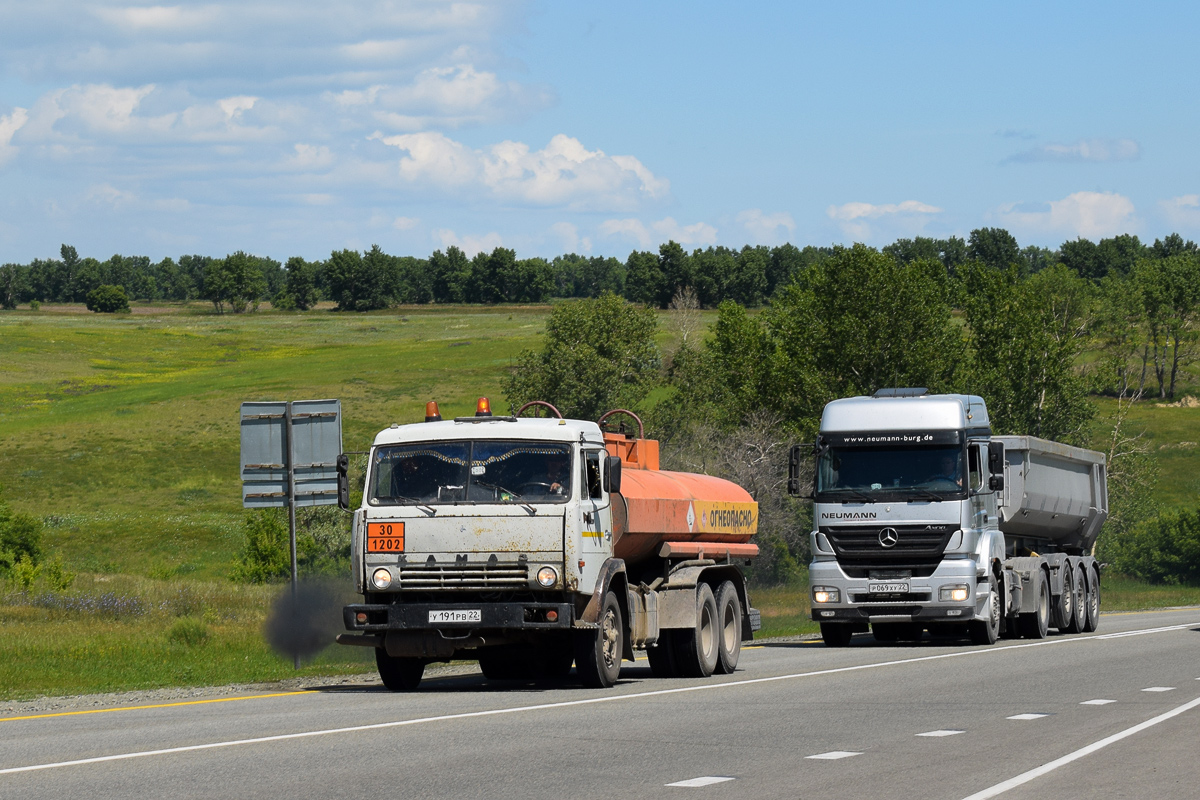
(954, 594)
(547, 577)
(381, 578)
(825, 594)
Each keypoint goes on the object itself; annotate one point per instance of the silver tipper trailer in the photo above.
(925, 520)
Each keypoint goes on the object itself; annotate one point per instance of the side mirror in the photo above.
(794, 456)
(996, 483)
(612, 473)
(996, 459)
(343, 480)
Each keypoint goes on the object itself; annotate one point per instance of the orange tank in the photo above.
(676, 513)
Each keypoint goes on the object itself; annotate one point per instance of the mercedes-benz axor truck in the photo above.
(924, 520)
(531, 543)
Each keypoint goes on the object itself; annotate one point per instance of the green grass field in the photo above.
(121, 433)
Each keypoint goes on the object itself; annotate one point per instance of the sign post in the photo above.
(291, 456)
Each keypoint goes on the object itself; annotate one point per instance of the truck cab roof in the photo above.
(534, 429)
(922, 412)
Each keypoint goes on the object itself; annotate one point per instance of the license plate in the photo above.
(887, 588)
(456, 615)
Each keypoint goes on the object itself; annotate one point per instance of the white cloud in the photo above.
(9, 125)
(405, 223)
(1181, 212)
(856, 219)
(628, 229)
(106, 195)
(163, 18)
(564, 173)
(309, 157)
(766, 227)
(572, 242)
(699, 233)
(1095, 150)
(471, 245)
(1092, 215)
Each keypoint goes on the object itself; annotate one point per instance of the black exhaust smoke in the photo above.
(303, 623)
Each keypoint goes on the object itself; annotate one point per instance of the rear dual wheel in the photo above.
(1093, 602)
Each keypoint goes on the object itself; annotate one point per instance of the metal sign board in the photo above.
(315, 428)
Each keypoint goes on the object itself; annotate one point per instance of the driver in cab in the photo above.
(947, 471)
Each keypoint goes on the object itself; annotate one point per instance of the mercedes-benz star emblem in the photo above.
(888, 537)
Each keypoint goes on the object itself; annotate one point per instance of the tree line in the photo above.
(373, 279)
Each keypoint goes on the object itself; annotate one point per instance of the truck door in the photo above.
(983, 499)
(595, 511)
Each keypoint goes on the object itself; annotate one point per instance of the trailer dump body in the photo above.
(1052, 492)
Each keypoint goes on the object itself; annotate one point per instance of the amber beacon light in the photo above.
(483, 408)
(431, 412)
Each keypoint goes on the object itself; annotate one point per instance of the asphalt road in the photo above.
(1109, 715)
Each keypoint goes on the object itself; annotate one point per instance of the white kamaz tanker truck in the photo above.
(925, 520)
(532, 543)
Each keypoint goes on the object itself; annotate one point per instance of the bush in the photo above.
(322, 544)
(1165, 549)
(107, 299)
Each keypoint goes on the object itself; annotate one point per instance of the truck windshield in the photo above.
(871, 473)
(430, 473)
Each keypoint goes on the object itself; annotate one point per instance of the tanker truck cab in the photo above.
(493, 538)
(925, 520)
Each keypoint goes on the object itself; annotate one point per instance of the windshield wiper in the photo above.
(428, 509)
(926, 494)
(859, 493)
(516, 495)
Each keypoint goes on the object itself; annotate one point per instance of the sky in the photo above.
(300, 128)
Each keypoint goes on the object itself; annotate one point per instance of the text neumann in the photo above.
(849, 515)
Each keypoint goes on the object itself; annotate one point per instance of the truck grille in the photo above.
(918, 548)
(432, 576)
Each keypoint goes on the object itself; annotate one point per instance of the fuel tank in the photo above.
(657, 507)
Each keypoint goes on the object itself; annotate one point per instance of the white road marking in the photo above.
(1159, 689)
(1096, 702)
(943, 732)
(1028, 716)
(833, 755)
(707, 780)
(707, 687)
(1026, 777)
(1141, 632)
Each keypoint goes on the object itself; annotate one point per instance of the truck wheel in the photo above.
(662, 656)
(598, 652)
(1036, 623)
(1064, 610)
(1093, 602)
(836, 634)
(399, 674)
(987, 631)
(729, 632)
(696, 648)
(1079, 602)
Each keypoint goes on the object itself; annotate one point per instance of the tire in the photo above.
(662, 656)
(1079, 602)
(729, 628)
(697, 649)
(557, 661)
(598, 652)
(399, 674)
(835, 634)
(1064, 609)
(988, 631)
(1093, 602)
(504, 664)
(1036, 624)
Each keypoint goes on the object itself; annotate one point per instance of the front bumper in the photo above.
(919, 604)
(516, 616)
